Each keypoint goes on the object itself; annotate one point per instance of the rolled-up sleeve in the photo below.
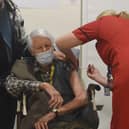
(16, 86)
(87, 32)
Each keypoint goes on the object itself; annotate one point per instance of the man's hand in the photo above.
(56, 99)
(42, 123)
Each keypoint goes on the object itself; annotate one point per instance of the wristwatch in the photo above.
(55, 110)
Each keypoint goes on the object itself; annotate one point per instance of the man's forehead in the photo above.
(41, 40)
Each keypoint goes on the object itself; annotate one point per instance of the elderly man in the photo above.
(64, 98)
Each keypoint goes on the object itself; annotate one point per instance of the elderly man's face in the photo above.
(40, 44)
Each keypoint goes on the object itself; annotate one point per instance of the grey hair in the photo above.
(42, 33)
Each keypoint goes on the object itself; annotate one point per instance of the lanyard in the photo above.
(50, 76)
(52, 73)
(109, 81)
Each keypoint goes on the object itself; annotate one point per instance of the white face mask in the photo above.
(45, 57)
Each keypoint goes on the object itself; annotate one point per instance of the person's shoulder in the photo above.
(60, 62)
(63, 64)
(108, 18)
(109, 21)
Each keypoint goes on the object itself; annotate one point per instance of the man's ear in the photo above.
(31, 51)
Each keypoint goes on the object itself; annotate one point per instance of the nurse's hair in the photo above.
(123, 14)
(40, 32)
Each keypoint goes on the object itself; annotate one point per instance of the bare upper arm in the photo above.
(76, 84)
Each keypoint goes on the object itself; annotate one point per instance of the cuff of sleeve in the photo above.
(34, 86)
(37, 87)
(79, 35)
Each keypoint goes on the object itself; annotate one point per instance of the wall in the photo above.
(58, 21)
